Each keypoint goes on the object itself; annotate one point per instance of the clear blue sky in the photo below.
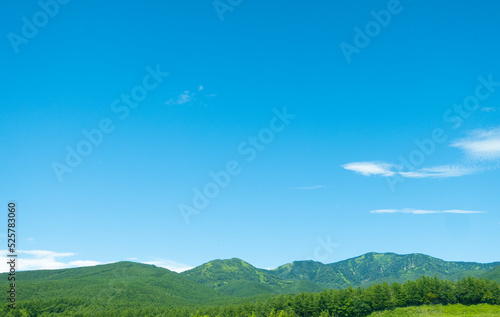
(361, 87)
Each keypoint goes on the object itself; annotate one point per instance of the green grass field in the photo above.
(482, 310)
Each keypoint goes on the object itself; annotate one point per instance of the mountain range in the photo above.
(226, 281)
(238, 278)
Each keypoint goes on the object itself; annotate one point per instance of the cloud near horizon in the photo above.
(42, 260)
(170, 265)
(29, 260)
(425, 212)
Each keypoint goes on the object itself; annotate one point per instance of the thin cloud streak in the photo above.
(425, 212)
(388, 170)
(310, 187)
(370, 168)
(443, 171)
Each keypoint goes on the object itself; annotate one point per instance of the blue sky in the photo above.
(336, 129)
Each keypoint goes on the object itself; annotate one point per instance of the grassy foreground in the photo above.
(482, 310)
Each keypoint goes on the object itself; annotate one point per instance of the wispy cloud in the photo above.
(424, 212)
(387, 170)
(488, 109)
(50, 260)
(481, 144)
(190, 97)
(371, 168)
(310, 187)
(183, 98)
(80, 263)
(170, 265)
(443, 171)
(43, 260)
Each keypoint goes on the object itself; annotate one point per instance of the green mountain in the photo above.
(225, 281)
(390, 267)
(377, 267)
(493, 275)
(312, 271)
(236, 277)
(120, 282)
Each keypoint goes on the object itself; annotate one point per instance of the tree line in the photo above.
(349, 302)
(354, 302)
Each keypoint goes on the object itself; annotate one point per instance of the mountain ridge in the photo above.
(310, 275)
(494, 274)
(223, 280)
(108, 283)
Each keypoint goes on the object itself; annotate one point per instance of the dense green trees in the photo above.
(361, 302)
(328, 303)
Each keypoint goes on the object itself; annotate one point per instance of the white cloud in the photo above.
(42, 260)
(457, 211)
(424, 212)
(310, 187)
(194, 96)
(183, 98)
(481, 144)
(83, 263)
(443, 171)
(387, 170)
(384, 211)
(28, 260)
(370, 168)
(170, 265)
(488, 109)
